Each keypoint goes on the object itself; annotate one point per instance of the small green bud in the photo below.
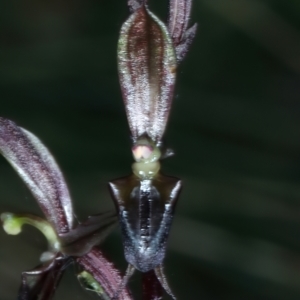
(11, 224)
(91, 284)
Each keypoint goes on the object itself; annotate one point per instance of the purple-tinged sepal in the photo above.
(147, 68)
(182, 36)
(38, 169)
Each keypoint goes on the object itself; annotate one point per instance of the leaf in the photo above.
(147, 67)
(38, 169)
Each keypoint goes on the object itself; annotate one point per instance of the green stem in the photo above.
(12, 224)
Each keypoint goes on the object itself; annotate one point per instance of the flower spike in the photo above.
(148, 54)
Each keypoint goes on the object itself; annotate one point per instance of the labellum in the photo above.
(148, 54)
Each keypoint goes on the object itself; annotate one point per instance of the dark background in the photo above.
(234, 126)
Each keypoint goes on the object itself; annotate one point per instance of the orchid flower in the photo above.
(148, 55)
(69, 241)
(149, 52)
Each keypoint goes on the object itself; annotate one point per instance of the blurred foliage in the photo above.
(234, 126)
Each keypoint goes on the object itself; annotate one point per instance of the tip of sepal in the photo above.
(183, 47)
(129, 272)
(159, 272)
(135, 4)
